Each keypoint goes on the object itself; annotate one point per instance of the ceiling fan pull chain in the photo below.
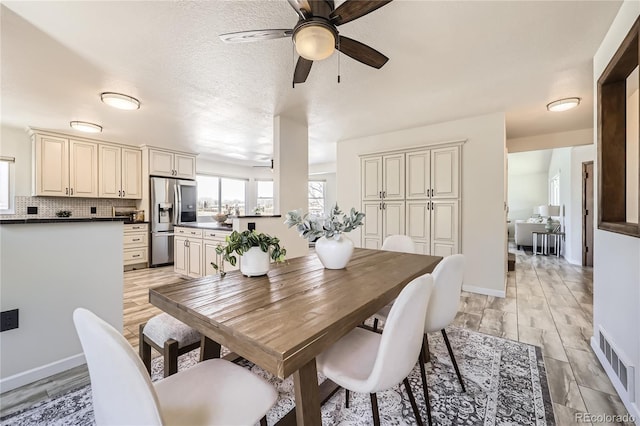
(293, 61)
(338, 53)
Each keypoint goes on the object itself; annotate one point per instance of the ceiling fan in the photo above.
(316, 35)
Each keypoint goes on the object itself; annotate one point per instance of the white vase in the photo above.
(254, 262)
(334, 253)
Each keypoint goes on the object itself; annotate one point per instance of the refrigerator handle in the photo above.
(177, 211)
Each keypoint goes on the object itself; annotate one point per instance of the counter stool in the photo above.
(170, 337)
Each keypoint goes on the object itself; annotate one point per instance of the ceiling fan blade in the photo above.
(302, 70)
(354, 9)
(302, 8)
(254, 35)
(361, 52)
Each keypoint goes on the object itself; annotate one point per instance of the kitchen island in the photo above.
(49, 267)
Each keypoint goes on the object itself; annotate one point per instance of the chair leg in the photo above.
(375, 324)
(346, 398)
(425, 348)
(453, 359)
(374, 409)
(425, 387)
(263, 421)
(145, 350)
(170, 357)
(412, 399)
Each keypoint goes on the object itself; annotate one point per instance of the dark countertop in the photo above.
(255, 216)
(61, 220)
(214, 226)
(131, 222)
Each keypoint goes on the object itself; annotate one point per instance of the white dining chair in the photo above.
(213, 392)
(398, 243)
(368, 362)
(169, 336)
(401, 243)
(443, 307)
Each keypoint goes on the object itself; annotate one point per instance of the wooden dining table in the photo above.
(283, 320)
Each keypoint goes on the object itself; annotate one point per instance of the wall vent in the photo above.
(619, 364)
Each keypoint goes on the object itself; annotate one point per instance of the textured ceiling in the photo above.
(448, 60)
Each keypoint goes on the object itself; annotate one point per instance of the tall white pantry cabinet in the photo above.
(413, 192)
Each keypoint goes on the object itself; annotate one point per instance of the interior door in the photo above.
(587, 214)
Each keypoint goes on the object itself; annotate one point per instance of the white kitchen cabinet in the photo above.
(172, 164)
(188, 251)
(433, 226)
(65, 167)
(211, 239)
(419, 196)
(120, 172)
(383, 177)
(136, 245)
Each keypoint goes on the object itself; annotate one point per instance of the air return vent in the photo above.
(619, 364)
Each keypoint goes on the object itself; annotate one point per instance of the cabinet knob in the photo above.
(71, 191)
(123, 193)
(432, 192)
(120, 193)
(66, 191)
(136, 239)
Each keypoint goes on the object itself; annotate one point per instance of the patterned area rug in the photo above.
(506, 385)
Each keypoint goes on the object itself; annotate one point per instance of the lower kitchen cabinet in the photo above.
(136, 245)
(195, 249)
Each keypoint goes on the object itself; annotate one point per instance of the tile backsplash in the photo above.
(79, 207)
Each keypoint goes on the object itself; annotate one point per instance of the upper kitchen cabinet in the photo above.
(383, 177)
(120, 172)
(172, 164)
(64, 167)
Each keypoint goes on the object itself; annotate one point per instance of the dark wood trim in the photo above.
(612, 143)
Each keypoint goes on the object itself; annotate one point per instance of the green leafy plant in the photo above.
(312, 226)
(239, 243)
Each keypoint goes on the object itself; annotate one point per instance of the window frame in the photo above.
(219, 196)
(258, 197)
(11, 185)
(323, 198)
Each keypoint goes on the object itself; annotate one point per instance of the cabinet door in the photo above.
(418, 175)
(185, 166)
(160, 163)
(131, 173)
(393, 218)
(210, 256)
(371, 179)
(83, 170)
(51, 171)
(372, 228)
(180, 255)
(195, 258)
(393, 177)
(419, 224)
(444, 227)
(109, 184)
(445, 172)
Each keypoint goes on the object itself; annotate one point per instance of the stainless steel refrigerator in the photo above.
(173, 202)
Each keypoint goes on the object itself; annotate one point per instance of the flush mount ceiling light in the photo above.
(87, 127)
(563, 104)
(120, 101)
(314, 41)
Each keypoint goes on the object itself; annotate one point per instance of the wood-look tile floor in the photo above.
(549, 303)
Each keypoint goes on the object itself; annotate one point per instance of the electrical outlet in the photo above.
(94, 210)
(251, 226)
(8, 320)
(32, 210)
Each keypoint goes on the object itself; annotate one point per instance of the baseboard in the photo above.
(486, 291)
(631, 406)
(38, 373)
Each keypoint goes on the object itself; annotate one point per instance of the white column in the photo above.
(290, 173)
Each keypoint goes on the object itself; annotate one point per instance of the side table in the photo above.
(558, 237)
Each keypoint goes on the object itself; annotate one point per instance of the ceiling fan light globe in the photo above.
(314, 42)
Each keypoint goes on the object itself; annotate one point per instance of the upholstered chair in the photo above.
(369, 362)
(169, 336)
(213, 392)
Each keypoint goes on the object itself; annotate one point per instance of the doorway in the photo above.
(587, 213)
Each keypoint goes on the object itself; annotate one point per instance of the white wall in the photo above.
(526, 191)
(616, 273)
(550, 141)
(46, 271)
(483, 195)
